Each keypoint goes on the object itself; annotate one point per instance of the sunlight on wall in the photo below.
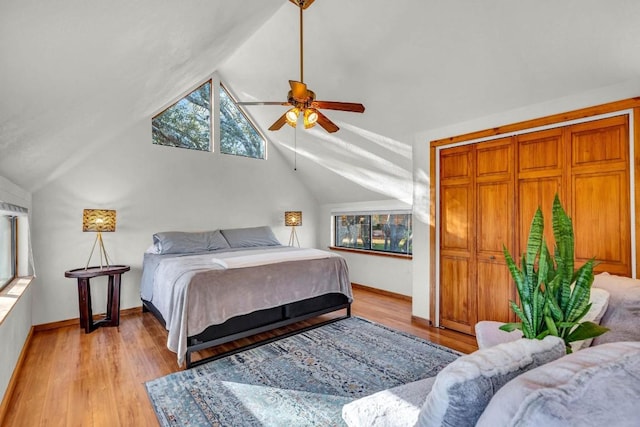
(390, 144)
(421, 196)
(378, 181)
(339, 146)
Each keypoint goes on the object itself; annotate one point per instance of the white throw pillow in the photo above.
(463, 388)
(597, 386)
(599, 300)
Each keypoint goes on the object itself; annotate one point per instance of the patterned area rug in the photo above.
(302, 380)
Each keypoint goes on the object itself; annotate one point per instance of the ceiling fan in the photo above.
(303, 101)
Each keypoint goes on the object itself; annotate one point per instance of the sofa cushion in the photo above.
(463, 388)
(623, 313)
(398, 406)
(597, 386)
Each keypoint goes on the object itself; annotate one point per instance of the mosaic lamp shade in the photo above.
(99, 220)
(293, 218)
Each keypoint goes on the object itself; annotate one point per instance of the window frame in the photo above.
(210, 143)
(215, 135)
(247, 118)
(335, 217)
(14, 250)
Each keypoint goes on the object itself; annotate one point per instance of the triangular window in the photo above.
(238, 136)
(187, 123)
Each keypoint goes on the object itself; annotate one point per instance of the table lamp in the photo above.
(293, 219)
(99, 220)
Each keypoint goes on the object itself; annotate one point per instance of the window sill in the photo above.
(10, 295)
(374, 253)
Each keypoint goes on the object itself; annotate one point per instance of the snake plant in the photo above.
(553, 298)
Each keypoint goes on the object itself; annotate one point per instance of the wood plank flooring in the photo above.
(75, 379)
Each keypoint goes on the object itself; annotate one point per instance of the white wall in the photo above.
(16, 326)
(386, 273)
(422, 226)
(152, 188)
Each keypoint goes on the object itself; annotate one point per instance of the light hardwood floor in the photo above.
(70, 378)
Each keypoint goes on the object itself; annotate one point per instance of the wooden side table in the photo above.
(112, 317)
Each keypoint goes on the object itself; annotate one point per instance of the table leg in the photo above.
(113, 302)
(84, 304)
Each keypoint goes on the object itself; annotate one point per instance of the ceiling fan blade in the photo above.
(302, 3)
(326, 124)
(263, 103)
(341, 106)
(299, 90)
(279, 123)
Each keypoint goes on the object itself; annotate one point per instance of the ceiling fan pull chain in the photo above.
(295, 149)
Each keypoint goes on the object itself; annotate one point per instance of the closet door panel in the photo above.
(495, 290)
(494, 227)
(456, 218)
(600, 197)
(601, 220)
(534, 193)
(457, 296)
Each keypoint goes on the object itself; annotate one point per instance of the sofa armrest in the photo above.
(488, 334)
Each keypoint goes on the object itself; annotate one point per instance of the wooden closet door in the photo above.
(600, 198)
(540, 177)
(457, 281)
(494, 228)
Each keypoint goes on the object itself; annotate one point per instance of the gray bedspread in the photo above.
(193, 292)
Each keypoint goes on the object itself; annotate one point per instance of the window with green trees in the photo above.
(187, 123)
(238, 136)
(383, 232)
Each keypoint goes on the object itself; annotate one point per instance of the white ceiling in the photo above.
(76, 71)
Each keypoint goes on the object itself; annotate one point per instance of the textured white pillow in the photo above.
(463, 388)
(394, 407)
(598, 386)
(599, 300)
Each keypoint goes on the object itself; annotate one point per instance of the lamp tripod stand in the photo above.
(102, 250)
(293, 237)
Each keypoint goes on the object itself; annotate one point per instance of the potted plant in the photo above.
(553, 297)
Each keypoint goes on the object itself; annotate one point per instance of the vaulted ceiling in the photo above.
(76, 73)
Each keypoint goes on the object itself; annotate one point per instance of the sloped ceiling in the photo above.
(75, 71)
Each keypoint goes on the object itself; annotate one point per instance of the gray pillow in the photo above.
(250, 237)
(181, 242)
(463, 389)
(623, 312)
(597, 386)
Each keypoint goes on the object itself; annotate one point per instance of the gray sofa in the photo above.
(517, 382)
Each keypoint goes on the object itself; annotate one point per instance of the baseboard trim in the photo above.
(381, 291)
(8, 395)
(421, 321)
(76, 321)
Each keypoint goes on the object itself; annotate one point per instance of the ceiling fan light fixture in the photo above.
(310, 118)
(292, 116)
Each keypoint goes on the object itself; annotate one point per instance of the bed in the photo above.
(210, 288)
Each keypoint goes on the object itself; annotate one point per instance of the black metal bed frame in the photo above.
(260, 321)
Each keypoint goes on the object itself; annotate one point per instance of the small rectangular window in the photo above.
(383, 232)
(8, 249)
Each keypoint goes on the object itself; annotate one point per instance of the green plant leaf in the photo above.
(581, 292)
(586, 330)
(510, 327)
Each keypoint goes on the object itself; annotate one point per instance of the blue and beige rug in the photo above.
(302, 380)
